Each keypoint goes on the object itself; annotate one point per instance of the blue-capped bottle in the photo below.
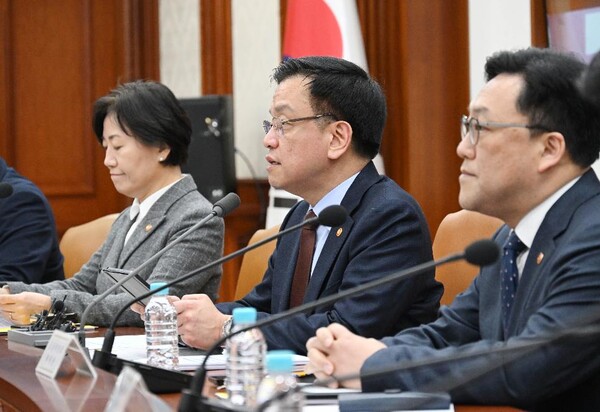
(245, 357)
(162, 347)
(280, 387)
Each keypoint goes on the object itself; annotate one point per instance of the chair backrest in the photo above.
(455, 232)
(255, 262)
(79, 243)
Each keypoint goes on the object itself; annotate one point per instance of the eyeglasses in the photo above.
(278, 123)
(471, 127)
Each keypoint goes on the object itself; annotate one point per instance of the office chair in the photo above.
(455, 232)
(255, 262)
(79, 243)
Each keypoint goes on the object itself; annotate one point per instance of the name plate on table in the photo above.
(38, 338)
(59, 345)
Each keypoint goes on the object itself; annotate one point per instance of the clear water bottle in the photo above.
(245, 357)
(280, 386)
(162, 347)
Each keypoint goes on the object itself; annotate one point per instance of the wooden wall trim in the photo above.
(216, 47)
(539, 28)
(144, 31)
(6, 144)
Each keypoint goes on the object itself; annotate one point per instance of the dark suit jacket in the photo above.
(385, 232)
(559, 288)
(28, 241)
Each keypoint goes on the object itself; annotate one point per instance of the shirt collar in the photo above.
(140, 210)
(527, 227)
(335, 196)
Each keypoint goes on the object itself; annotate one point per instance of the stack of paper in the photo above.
(133, 348)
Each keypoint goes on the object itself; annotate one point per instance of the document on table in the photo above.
(5, 325)
(133, 348)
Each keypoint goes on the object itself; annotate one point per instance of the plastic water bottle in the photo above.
(162, 347)
(245, 356)
(280, 385)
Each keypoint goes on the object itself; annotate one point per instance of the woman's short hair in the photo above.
(149, 112)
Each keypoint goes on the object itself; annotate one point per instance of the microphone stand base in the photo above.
(158, 380)
(103, 360)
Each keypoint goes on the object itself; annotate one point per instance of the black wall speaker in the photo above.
(211, 159)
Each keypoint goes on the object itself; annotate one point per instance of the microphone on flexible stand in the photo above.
(331, 216)
(220, 209)
(6, 190)
(480, 253)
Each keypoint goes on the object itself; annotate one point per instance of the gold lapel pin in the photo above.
(339, 232)
(540, 257)
(148, 228)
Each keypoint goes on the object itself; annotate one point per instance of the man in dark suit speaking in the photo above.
(527, 146)
(327, 119)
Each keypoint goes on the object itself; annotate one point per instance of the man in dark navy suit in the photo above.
(527, 145)
(326, 123)
(28, 241)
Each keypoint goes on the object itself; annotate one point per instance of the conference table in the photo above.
(21, 389)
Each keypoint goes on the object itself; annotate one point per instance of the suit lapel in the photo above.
(116, 238)
(544, 244)
(142, 232)
(338, 235)
(155, 218)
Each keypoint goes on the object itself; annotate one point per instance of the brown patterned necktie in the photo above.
(308, 238)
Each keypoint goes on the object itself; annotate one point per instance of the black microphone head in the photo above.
(58, 306)
(225, 205)
(6, 190)
(482, 252)
(333, 215)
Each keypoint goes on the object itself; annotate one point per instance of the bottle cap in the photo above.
(156, 285)
(281, 361)
(244, 315)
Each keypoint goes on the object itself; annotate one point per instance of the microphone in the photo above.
(481, 253)
(6, 190)
(58, 311)
(333, 215)
(55, 318)
(43, 322)
(220, 209)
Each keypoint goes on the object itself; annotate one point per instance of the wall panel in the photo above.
(418, 51)
(47, 120)
(50, 77)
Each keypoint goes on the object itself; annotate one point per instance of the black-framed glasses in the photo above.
(471, 127)
(278, 124)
